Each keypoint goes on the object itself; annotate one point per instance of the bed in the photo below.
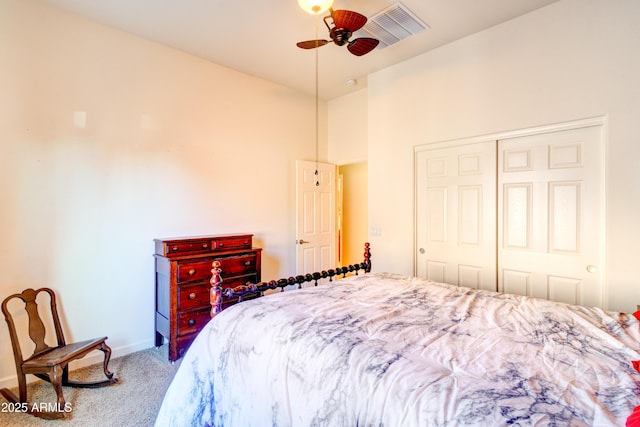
(393, 350)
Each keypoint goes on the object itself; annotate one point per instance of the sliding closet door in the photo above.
(456, 215)
(550, 211)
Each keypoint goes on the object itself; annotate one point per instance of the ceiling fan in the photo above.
(343, 24)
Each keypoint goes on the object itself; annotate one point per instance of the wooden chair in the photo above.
(48, 363)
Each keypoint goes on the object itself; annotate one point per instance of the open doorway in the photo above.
(352, 220)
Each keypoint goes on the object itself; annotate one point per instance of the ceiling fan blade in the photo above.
(353, 21)
(311, 44)
(362, 46)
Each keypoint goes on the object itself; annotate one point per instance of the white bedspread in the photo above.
(389, 350)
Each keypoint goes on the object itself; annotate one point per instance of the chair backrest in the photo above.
(37, 330)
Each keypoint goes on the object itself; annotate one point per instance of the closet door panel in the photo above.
(551, 215)
(517, 214)
(516, 282)
(471, 220)
(564, 217)
(455, 224)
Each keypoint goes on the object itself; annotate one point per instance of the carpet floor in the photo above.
(134, 401)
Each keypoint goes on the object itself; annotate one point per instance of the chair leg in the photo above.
(107, 356)
(22, 386)
(95, 384)
(34, 409)
(56, 375)
(44, 410)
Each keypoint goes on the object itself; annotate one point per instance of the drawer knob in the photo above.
(221, 244)
(192, 272)
(192, 295)
(175, 248)
(191, 322)
(247, 263)
(205, 246)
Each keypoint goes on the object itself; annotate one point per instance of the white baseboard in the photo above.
(91, 359)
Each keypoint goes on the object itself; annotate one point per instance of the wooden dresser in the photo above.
(183, 270)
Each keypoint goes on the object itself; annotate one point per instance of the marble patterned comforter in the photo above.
(389, 350)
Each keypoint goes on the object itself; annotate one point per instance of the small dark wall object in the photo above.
(48, 363)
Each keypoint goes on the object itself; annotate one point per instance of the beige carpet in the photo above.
(143, 379)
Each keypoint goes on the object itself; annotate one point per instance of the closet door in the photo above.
(456, 215)
(550, 216)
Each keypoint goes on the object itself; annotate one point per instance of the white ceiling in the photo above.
(258, 37)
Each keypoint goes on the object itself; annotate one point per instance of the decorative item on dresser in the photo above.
(183, 271)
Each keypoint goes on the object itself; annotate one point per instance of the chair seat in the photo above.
(63, 354)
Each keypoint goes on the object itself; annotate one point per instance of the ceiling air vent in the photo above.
(392, 25)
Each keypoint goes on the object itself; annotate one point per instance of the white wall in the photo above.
(172, 145)
(571, 60)
(347, 132)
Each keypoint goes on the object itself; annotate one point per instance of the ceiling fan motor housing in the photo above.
(340, 36)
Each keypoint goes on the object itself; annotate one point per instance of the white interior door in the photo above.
(315, 216)
(551, 206)
(456, 215)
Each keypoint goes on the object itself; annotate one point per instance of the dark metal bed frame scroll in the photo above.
(218, 292)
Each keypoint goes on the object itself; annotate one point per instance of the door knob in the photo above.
(592, 268)
(302, 242)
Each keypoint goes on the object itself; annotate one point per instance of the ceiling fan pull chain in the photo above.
(317, 114)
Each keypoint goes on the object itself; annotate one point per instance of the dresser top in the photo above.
(203, 237)
(192, 245)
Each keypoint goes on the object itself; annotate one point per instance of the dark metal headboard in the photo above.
(218, 292)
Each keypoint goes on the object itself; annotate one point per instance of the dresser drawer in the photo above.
(185, 247)
(193, 296)
(244, 263)
(192, 271)
(182, 343)
(228, 243)
(193, 321)
(232, 282)
(230, 266)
